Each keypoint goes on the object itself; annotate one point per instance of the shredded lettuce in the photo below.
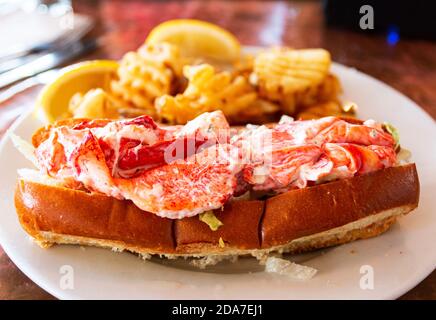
(290, 269)
(394, 133)
(404, 156)
(221, 243)
(211, 220)
(26, 148)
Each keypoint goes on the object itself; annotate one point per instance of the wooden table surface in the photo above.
(409, 66)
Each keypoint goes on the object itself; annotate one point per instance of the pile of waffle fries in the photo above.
(158, 81)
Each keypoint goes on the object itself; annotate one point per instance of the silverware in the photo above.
(16, 62)
(71, 36)
(39, 79)
(29, 56)
(46, 62)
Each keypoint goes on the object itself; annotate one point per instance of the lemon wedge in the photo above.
(53, 100)
(197, 38)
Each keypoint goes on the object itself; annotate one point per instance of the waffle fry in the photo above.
(331, 108)
(207, 90)
(327, 90)
(288, 76)
(259, 112)
(244, 66)
(147, 74)
(93, 105)
(289, 70)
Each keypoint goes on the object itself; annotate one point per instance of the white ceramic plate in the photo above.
(400, 258)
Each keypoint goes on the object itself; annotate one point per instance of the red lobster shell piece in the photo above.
(302, 152)
(188, 187)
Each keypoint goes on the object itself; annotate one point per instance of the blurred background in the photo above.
(393, 41)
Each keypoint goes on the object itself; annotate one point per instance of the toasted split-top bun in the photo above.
(296, 221)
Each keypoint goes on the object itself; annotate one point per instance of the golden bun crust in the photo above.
(302, 212)
(296, 221)
(241, 223)
(67, 211)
